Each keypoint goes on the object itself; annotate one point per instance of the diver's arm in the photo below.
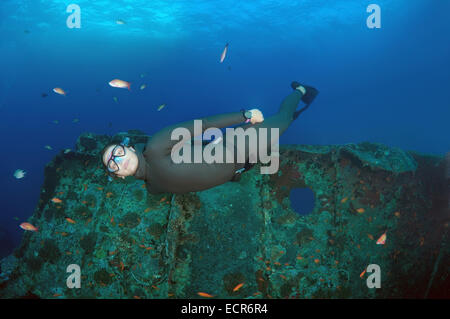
(161, 142)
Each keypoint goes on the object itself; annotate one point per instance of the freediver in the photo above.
(154, 164)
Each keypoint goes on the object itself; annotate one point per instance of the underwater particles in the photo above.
(161, 107)
(19, 173)
(59, 91)
(224, 53)
(28, 226)
(121, 22)
(116, 83)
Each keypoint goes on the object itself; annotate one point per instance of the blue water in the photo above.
(388, 85)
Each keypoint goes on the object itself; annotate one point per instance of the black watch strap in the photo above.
(246, 114)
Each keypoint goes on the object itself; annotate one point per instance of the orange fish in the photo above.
(112, 219)
(28, 226)
(343, 200)
(360, 210)
(136, 297)
(57, 295)
(362, 274)
(100, 188)
(397, 214)
(147, 210)
(109, 194)
(56, 200)
(224, 53)
(116, 83)
(70, 220)
(370, 236)
(238, 287)
(59, 91)
(382, 239)
(204, 294)
(122, 266)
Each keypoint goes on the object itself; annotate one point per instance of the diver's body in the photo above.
(156, 167)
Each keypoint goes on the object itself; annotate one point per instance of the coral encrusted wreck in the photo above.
(131, 244)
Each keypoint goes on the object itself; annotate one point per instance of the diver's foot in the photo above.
(309, 93)
(297, 86)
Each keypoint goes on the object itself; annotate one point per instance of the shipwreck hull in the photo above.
(130, 244)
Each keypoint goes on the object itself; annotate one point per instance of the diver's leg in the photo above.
(280, 121)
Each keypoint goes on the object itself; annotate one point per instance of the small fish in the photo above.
(116, 83)
(316, 261)
(382, 239)
(115, 99)
(143, 86)
(57, 295)
(16, 218)
(48, 147)
(26, 31)
(161, 107)
(238, 287)
(360, 210)
(370, 236)
(204, 294)
(362, 274)
(121, 22)
(28, 226)
(56, 200)
(56, 121)
(224, 53)
(109, 194)
(397, 214)
(19, 173)
(75, 120)
(59, 91)
(44, 95)
(70, 220)
(344, 200)
(67, 150)
(147, 210)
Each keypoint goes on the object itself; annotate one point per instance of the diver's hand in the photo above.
(257, 116)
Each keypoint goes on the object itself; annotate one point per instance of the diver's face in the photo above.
(125, 161)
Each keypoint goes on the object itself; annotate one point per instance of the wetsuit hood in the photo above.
(141, 172)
